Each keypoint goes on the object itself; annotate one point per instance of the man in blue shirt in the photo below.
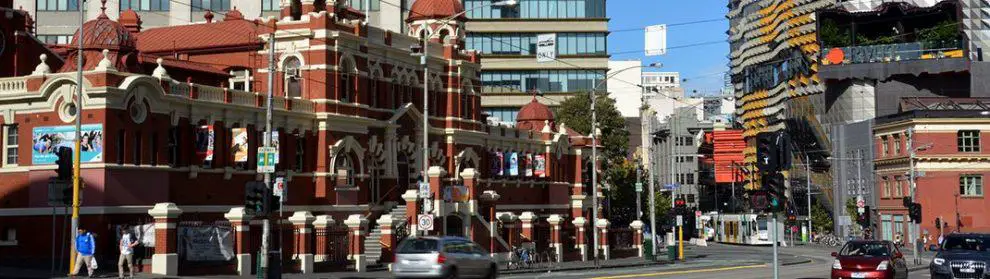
(85, 247)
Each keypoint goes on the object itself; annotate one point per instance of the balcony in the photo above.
(886, 53)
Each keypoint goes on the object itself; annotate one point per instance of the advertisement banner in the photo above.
(204, 142)
(540, 166)
(456, 193)
(499, 163)
(275, 145)
(46, 140)
(206, 244)
(239, 144)
(546, 47)
(514, 164)
(528, 163)
(656, 40)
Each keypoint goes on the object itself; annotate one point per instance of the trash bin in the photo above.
(648, 249)
(672, 253)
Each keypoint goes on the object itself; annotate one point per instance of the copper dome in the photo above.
(435, 9)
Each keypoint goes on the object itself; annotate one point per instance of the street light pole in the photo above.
(807, 169)
(76, 163)
(911, 227)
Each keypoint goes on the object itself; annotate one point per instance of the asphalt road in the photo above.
(735, 262)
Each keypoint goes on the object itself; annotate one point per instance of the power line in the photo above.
(671, 25)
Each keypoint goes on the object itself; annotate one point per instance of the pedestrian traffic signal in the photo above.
(64, 163)
(907, 202)
(914, 212)
(767, 155)
(256, 198)
(864, 218)
(680, 203)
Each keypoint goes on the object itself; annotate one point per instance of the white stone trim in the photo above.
(164, 226)
(143, 209)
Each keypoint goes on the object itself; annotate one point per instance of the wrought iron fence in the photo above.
(332, 253)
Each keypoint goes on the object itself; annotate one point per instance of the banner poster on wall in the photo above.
(204, 142)
(514, 164)
(275, 145)
(500, 162)
(206, 243)
(540, 165)
(239, 144)
(529, 165)
(46, 140)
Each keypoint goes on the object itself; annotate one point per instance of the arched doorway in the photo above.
(455, 225)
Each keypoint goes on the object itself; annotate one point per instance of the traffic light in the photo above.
(866, 216)
(938, 223)
(907, 202)
(64, 163)
(256, 198)
(773, 184)
(914, 212)
(767, 154)
(680, 203)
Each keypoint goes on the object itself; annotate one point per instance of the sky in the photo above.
(703, 66)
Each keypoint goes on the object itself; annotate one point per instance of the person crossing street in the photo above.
(85, 247)
(126, 245)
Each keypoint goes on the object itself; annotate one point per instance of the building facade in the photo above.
(853, 169)
(949, 163)
(173, 116)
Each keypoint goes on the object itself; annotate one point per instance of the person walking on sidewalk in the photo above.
(127, 244)
(85, 247)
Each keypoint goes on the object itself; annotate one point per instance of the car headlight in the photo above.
(938, 261)
(836, 264)
(883, 265)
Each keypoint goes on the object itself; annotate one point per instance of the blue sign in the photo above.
(671, 186)
(45, 140)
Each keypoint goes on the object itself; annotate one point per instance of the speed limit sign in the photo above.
(425, 222)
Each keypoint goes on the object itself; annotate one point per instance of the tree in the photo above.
(661, 208)
(575, 113)
(821, 219)
(622, 193)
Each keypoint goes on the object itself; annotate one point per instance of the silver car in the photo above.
(442, 257)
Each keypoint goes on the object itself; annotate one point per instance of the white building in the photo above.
(624, 86)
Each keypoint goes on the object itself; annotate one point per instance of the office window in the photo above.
(971, 185)
(57, 5)
(55, 39)
(270, 6)
(144, 5)
(482, 9)
(373, 5)
(525, 43)
(507, 114)
(690, 178)
(213, 5)
(968, 141)
(10, 145)
(883, 145)
(690, 198)
(897, 144)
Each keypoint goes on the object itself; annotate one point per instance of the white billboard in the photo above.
(656, 40)
(546, 47)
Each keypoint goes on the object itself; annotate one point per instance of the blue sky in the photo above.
(702, 65)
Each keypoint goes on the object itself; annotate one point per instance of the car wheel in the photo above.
(492, 272)
(452, 273)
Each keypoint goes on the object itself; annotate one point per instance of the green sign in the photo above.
(639, 187)
(266, 159)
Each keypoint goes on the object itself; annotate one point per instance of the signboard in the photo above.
(206, 243)
(671, 186)
(500, 157)
(239, 144)
(280, 189)
(697, 213)
(46, 140)
(266, 159)
(546, 47)
(456, 193)
(860, 203)
(680, 220)
(424, 190)
(425, 222)
(529, 165)
(540, 166)
(656, 40)
(513, 164)
(204, 142)
(639, 186)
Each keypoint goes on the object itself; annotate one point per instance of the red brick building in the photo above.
(951, 164)
(172, 118)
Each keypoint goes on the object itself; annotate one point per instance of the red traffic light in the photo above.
(679, 202)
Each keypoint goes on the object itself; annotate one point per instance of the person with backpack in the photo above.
(126, 246)
(85, 248)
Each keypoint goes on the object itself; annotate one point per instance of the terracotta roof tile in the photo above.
(201, 36)
(427, 9)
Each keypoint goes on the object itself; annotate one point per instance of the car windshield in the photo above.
(419, 246)
(967, 243)
(866, 249)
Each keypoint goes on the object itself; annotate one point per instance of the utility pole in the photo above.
(653, 214)
(426, 112)
(594, 174)
(266, 226)
(911, 227)
(78, 138)
(639, 190)
(774, 238)
(807, 169)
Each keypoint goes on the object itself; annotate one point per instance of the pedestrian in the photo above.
(85, 247)
(127, 244)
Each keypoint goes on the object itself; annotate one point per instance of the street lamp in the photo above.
(426, 79)
(594, 155)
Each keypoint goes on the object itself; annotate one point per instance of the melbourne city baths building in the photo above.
(172, 118)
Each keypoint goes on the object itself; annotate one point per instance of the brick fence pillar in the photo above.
(602, 225)
(579, 224)
(322, 225)
(165, 261)
(240, 221)
(355, 228)
(412, 202)
(558, 249)
(526, 219)
(386, 222)
(301, 221)
(637, 227)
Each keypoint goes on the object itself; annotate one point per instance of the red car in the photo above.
(869, 259)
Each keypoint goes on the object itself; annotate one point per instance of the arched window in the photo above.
(373, 90)
(345, 167)
(444, 36)
(394, 95)
(348, 78)
(290, 67)
(466, 106)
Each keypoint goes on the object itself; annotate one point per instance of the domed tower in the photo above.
(534, 115)
(101, 34)
(430, 13)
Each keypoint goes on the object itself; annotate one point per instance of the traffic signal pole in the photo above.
(266, 226)
(912, 231)
(78, 136)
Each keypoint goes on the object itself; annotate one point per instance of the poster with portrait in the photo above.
(275, 145)
(239, 144)
(529, 165)
(500, 163)
(204, 142)
(45, 141)
(514, 164)
(540, 166)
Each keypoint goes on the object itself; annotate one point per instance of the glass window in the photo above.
(292, 85)
(971, 185)
(873, 248)
(136, 152)
(58, 5)
(213, 5)
(270, 5)
(883, 145)
(10, 145)
(537, 9)
(144, 5)
(886, 188)
(419, 246)
(300, 153)
(897, 144)
(120, 147)
(374, 5)
(968, 141)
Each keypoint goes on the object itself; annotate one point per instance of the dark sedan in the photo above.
(962, 256)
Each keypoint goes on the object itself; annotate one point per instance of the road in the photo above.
(721, 261)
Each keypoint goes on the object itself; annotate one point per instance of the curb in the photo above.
(917, 268)
(804, 261)
(541, 270)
